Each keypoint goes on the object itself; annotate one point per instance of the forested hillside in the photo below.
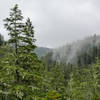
(42, 51)
(71, 72)
(81, 52)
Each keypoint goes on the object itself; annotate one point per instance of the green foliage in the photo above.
(15, 26)
(21, 68)
(84, 83)
(52, 95)
(24, 77)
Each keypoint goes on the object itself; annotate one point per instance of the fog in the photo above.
(57, 22)
(69, 52)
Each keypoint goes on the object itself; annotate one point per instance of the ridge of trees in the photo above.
(82, 52)
(24, 77)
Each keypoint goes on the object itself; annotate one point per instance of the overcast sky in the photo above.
(57, 22)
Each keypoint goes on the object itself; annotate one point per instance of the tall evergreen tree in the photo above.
(22, 68)
(15, 26)
(28, 37)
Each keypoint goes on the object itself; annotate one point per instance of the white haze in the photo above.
(69, 52)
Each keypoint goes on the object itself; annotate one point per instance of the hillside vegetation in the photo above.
(81, 52)
(42, 51)
(71, 72)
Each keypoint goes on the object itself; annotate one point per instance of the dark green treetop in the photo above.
(14, 25)
(21, 67)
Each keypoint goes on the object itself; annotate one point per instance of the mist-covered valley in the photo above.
(32, 72)
(80, 52)
(69, 53)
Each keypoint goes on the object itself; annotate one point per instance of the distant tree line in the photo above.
(82, 52)
(24, 77)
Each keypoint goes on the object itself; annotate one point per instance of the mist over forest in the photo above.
(30, 72)
(69, 53)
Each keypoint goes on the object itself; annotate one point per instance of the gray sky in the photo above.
(57, 22)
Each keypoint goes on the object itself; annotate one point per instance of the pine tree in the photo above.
(15, 26)
(27, 43)
(22, 79)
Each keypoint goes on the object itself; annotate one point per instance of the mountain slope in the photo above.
(42, 51)
(81, 52)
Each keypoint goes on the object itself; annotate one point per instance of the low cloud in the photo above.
(57, 22)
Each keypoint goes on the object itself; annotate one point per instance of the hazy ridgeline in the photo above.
(28, 72)
(70, 53)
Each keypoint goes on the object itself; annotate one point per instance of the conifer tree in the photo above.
(22, 68)
(28, 37)
(14, 25)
